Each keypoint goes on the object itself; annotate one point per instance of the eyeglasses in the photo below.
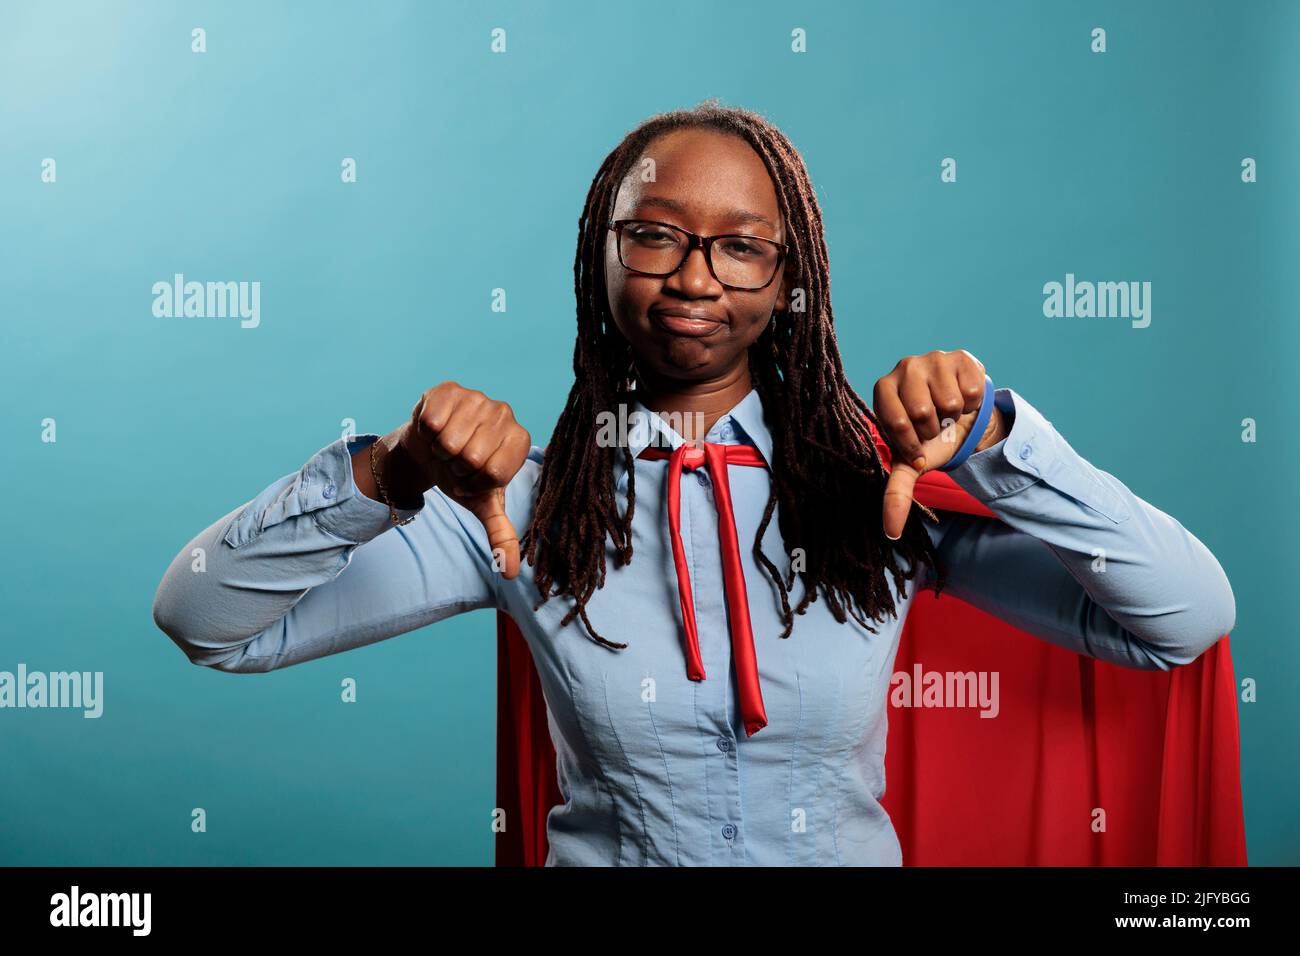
(658, 249)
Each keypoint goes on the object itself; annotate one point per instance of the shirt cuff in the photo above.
(1033, 450)
(325, 489)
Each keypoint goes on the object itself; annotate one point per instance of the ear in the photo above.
(783, 290)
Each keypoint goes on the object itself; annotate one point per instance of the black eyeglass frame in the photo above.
(705, 243)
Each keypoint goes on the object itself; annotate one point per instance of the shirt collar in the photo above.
(744, 424)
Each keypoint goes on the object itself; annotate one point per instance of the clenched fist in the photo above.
(927, 406)
(469, 447)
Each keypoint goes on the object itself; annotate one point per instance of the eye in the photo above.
(741, 247)
(650, 234)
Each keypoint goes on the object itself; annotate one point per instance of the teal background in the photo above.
(472, 171)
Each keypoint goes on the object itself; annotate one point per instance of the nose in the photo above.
(693, 279)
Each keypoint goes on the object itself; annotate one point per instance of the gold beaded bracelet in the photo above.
(374, 473)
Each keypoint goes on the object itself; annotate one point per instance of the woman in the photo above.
(694, 723)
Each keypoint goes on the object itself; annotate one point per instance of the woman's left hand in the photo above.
(927, 406)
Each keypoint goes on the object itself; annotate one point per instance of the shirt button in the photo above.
(329, 490)
(1025, 450)
(729, 831)
(724, 744)
(702, 477)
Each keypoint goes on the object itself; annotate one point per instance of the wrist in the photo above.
(985, 419)
(397, 474)
(998, 429)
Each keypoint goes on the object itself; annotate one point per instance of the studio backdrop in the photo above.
(392, 190)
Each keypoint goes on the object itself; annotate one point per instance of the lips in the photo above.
(694, 323)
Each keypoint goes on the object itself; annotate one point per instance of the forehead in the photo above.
(703, 176)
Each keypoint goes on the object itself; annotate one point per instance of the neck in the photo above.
(696, 405)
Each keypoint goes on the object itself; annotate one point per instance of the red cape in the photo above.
(1087, 764)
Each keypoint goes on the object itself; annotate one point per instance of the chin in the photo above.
(684, 359)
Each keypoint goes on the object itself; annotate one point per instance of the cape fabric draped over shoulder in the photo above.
(1086, 764)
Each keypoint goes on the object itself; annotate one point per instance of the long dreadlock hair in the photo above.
(825, 470)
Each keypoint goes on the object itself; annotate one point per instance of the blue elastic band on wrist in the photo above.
(976, 431)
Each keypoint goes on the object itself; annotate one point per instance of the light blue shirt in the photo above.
(655, 769)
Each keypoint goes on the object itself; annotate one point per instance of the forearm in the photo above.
(242, 574)
(1093, 566)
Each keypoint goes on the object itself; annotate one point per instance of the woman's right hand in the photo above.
(469, 447)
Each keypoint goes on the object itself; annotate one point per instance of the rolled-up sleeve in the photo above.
(1076, 558)
(311, 566)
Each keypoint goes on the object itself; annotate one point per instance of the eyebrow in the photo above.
(735, 215)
